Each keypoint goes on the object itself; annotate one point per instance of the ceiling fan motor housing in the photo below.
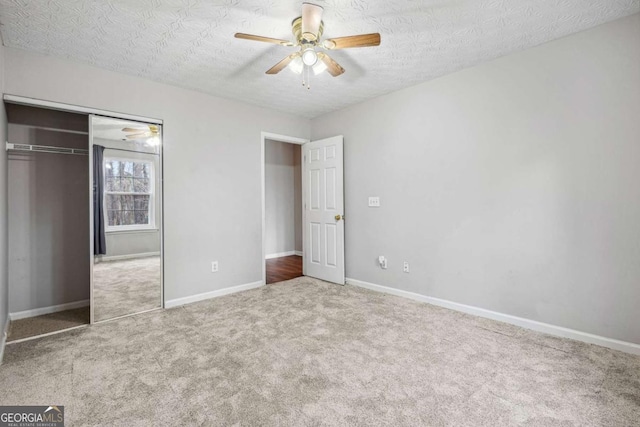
(296, 29)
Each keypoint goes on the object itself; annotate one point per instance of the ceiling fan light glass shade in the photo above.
(153, 141)
(320, 67)
(296, 65)
(309, 57)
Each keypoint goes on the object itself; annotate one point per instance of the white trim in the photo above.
(90, 119)
(47, 310)
(23, 100)
(102, 258)
(546, 328)
(213, 294)
(35, 337)
(281, 254)
(263, 141)
(3, 339)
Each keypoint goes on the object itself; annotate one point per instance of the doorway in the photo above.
(322, 205)
(283, 252)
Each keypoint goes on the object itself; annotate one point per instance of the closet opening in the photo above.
(48, 216)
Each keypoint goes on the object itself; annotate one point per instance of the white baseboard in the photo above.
(546, 328)
(281, 254)
(213, 294)
(48, 334)
(47, 310)
(103, 258)
(3, 339)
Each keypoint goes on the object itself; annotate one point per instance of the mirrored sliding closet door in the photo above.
(126, 220)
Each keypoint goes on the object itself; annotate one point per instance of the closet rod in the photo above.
(46, 149)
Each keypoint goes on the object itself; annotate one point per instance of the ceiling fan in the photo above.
(146, 131)
(307, 30)
(150, 133)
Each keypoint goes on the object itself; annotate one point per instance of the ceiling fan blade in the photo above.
(332, 66)
(311, 20)
(262, 39)
(362, 40)
(282, 64)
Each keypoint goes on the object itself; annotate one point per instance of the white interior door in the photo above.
(323, 210)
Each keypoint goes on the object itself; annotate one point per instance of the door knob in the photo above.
(339, 217)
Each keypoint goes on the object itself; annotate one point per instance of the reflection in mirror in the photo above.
(126, 217)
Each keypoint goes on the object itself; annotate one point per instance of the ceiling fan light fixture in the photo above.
(296, 65)
(320, 67)
(309, 56)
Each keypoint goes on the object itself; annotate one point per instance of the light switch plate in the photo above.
(374, 202)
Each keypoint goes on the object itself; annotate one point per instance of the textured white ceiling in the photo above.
(190, 43)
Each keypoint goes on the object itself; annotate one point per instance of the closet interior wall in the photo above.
(48, 203)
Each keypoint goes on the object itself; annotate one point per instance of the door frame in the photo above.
(264, 136)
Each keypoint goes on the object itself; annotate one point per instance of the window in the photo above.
(128, 194)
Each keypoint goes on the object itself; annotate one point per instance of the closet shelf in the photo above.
(46, 149)
(52, 129)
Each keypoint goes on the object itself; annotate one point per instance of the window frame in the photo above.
(151, 226)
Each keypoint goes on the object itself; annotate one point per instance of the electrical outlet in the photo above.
(214, 266)
(405, 267)
(374, 202)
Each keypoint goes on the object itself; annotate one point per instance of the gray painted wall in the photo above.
(48, 201)
(511, 186)
(283, 211)
(4, 274)
(131, 243)
(212, 182)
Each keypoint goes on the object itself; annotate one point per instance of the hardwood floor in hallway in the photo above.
(283, 268)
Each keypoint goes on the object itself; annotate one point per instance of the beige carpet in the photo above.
(311, 353)
(38, 325)
(126, 287)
